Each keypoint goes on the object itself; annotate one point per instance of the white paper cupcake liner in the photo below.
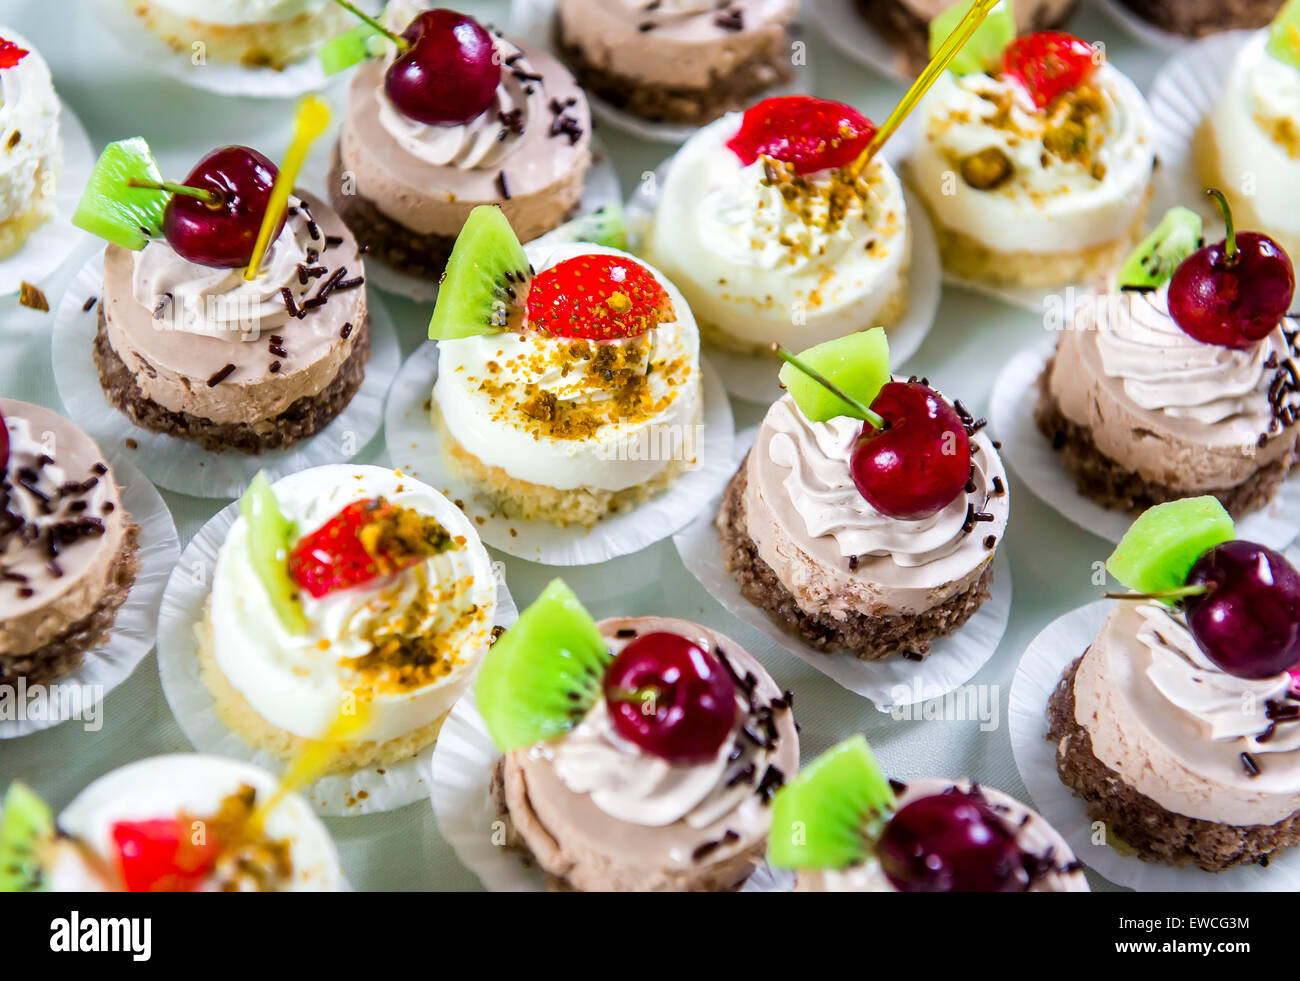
(77, 695)
(224, 78)
(1063, 640)
(895, 681)
(1141, 29)
(535, 20)
(382, 787)
(461, 791)
(1029, 453)
(49, 246)
(181, 464)
(415, 447)
(753, 377)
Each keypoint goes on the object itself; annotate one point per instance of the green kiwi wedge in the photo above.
(352, 47)
(26, 825)
(858, 364)
(110, 208)
(544, 673)
(827, 816)
(604, 227)
(485, 286)
(983, 52)
(1158, 257)
(270, 534)
(1159, 549)
(1284, 35)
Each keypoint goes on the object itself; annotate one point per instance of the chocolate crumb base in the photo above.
(868, 638)
(1197, 18)
(670, 104)
(1136, 820)
(1101, 479)
(305, 417)
(66, 652)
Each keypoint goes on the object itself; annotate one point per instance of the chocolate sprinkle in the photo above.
(1249, 764)
(220, 376)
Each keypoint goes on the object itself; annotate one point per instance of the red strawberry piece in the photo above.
(162, 855)
(1049, 64)
(811, 134)
(333, 556)
(598, 298)
(11, 54)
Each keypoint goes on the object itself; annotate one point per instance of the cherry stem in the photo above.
(937, 66)
(1231, 239)
(206, 196)
(875, 420)
(397, 39)
(1182, 592)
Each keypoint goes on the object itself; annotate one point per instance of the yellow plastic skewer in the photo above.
(937, 66)
(310, 119)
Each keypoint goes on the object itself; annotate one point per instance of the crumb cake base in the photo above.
(1104, 481)
(15, 230)
(265, 44)
(67, 651)
(522, 826)
(866, 637)
(686, 105)
(305, 417)
(1136, 820)
(1196, 18)
(524, 501)
(237, 715)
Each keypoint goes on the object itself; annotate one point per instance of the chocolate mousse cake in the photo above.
(677, 61)
(67, 546)
(1196, 18)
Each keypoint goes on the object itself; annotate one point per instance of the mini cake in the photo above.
(906, 24)
(771, 235)
(1037, 171)
(873, 539)
(29, 127)
(1182, 382)
(640, 754)
(190, 346)
(568, 392)
(386, 598)
(136, 829)
(1249, 144)
(67, 546)
(416, 154)
(677, 61)
(845, 828)
(1178, 724)
(253, 33)
(1195, 18)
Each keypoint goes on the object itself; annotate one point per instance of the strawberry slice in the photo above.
(161, 855)
(11, 54)
(809, 133)
(598, 298)
(1049, 64)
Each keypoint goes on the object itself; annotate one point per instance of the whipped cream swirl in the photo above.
(1166, 370)
(202, 299)
(1232, 708)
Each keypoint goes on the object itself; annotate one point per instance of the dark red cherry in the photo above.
(811, 134)
(918, 464)
(1235, 292)
(951, 842)
(4, 444)
(671, 697)
(223, 231)
(1248, 623)
(449, 73)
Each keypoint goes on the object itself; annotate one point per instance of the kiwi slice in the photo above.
(604, 227)
(544, 673)
(828, 816)
(1156, 260)
(486, 282)
(350, 48)
(110, 208)
(269, 536)
(1284, 35)
(1159, 549)
(983, 52)
(857, 364)
(26, 825)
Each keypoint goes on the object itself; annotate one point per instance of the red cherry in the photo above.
(223, 232)
(597, 297)
(4, 444)
(449, 73)
(1048, 64)
(11, 54)
(918, 464)
(810, 133)
(162, 856)
(951, 842)
(344, 552)
(671, 697)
